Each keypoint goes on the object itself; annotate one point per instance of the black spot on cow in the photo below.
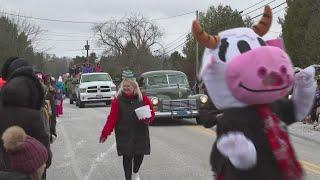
(261, 41)
(223, 49)
(243, 46)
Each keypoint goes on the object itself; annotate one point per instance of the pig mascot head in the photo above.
(240, 69)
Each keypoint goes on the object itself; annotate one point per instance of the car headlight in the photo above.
(155, 101)
(113, 88)
(83, 90)
(203, 99)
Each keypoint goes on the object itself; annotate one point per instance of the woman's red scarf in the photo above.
(279, 143)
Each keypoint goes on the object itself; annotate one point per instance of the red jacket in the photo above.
(114, 116)
(2, 82)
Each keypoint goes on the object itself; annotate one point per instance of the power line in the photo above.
(180, 38)
(259, 8)
(175, 48)
(251, 6)
(272, 9)
(82, 22)
(51, 20)
(66, 40)
(66, 35)
(280, 10)
(170, 17)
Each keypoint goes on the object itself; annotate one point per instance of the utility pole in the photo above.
(87, 47)
(197, 61)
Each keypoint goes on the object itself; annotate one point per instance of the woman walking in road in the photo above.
(132, 134)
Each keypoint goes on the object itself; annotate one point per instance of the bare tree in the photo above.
(31, 30)
(136, 31)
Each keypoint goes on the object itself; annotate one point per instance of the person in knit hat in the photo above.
(25, 154)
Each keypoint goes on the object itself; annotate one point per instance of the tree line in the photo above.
(18, 37)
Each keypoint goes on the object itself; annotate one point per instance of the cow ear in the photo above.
(276, 42)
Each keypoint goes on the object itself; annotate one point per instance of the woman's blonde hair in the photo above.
(135, 85)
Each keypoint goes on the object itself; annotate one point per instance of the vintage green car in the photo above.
(171, 94)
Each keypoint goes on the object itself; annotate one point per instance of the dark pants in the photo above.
(314, 117)
(127, 164)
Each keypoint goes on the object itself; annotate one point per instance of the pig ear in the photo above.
(276, 42)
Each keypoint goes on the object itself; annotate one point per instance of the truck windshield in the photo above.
(168, 80)
(95, 77)
(177, 79)
(157, 80)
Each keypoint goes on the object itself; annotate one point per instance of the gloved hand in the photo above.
(145, 120)
(305, 78)
(240, 150)
(304, 92)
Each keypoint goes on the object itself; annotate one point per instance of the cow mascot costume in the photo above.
(249, 79)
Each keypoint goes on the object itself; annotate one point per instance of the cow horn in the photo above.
(202, 37)
(264, 24)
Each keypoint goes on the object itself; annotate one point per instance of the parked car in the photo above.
(95, 87)
(171, 95)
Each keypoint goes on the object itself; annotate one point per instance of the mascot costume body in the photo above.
(249, 79)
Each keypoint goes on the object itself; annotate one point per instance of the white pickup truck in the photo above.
(95, 87)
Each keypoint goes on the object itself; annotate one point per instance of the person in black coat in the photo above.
(21, 99)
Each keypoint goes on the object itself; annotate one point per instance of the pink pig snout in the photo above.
(273, 79)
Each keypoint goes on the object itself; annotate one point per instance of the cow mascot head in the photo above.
(249, 79)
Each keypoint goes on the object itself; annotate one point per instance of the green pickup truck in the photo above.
(171, 94)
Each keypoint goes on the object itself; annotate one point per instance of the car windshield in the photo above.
(174, 79)
(95, 77)
(158, 80)
(177, 79)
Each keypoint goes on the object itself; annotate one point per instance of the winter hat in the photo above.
(23, 89)
(11, 65)
(60, 79)
(26, 154)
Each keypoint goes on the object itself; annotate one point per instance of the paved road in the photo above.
(180, 150)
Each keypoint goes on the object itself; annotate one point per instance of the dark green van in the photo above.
(171, 94)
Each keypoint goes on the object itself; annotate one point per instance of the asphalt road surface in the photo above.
(179, 149)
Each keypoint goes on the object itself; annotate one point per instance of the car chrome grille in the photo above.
(181, 104)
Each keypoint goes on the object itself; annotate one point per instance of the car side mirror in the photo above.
(140, 82)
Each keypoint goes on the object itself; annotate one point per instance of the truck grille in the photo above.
(95, 89)
(181, 104)
(92, 91)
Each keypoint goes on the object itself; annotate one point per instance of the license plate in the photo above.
(99, 96)
(182, 113)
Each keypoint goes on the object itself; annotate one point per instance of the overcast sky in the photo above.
(67, 39)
